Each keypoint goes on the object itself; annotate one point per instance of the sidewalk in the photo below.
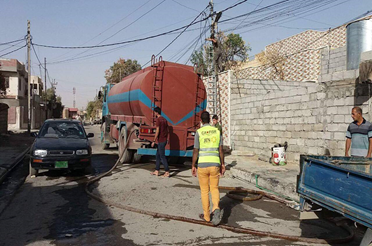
(279, 179)
(13, 147)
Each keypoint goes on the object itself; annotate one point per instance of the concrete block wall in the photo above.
(246, 87)
(333, 60)
(313, 118)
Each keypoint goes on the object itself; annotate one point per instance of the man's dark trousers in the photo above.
(160, 157)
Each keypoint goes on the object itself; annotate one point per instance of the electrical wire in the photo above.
(195, 44)
(186, 49)
(327, 24)
(135, 40)
(105, 51)
(125, 27)
(10, 42)
(10, 52)
(174, 31)
(284, 21)
(37, 57)
(205, 30)
(285, 11)
(91, 55)
(134, 21)
(11, 46)
(191, 43)
(107, 29)
(193, 21)
(117, 43)
(109, 51)
(247, 16)
(185, 6)
(233, 6)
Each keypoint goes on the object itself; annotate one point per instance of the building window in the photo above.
(6, 82)
(19, 84)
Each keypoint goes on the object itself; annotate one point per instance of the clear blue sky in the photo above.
(89, 22)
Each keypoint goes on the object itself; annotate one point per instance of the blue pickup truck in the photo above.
(339, 184)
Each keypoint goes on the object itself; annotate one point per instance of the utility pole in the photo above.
(45, 89)
(215, 17)
(74, 92)
(29, 76)
(211, 55)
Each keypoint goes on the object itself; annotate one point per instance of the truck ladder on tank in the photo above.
(198, 102)
(157, 85)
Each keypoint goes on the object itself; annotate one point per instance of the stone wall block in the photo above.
(332, 110)
(321, 95)
(339, 136)
(339, 119)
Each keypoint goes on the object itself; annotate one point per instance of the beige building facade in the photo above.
(13, 96)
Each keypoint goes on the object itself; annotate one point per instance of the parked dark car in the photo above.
(60, 145)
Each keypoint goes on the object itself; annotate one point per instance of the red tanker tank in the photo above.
(175, 88)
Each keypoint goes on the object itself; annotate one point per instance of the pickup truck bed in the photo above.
(340, 184)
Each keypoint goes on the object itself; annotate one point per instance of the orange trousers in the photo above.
(208, 181)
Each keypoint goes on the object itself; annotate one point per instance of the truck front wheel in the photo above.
(125, 154)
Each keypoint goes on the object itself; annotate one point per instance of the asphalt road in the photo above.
(53, 208)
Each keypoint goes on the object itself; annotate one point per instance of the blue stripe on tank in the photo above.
(150, 151)
(138, 95)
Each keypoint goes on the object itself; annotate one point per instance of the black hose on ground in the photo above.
(233, 191)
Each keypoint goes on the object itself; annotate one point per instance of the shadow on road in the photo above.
(55, 207)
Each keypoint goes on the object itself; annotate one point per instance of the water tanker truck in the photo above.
(128, 110)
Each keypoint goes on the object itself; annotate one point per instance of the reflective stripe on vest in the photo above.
(208, 149)
(209, 140)
(209, 154)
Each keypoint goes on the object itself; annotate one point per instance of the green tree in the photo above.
(121, 69)
(50, 95)
(93, 106)
(202, 58)
(231, 49)
(53, 102)
(59, 99)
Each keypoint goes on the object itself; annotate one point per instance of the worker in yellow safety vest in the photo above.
(208, 148)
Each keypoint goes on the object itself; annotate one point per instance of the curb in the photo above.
(271, 184)
(15, 163)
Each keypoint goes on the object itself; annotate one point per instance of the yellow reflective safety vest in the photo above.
(209, 140)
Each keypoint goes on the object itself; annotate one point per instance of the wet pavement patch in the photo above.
(74, 221)
(103, 162)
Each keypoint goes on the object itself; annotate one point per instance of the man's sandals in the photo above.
(156, 173)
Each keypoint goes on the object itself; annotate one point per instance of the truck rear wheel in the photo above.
(126, 154)
(136, 157)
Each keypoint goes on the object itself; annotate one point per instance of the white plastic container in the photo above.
(278, 156)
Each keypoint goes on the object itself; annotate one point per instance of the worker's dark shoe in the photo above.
(217, 216)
